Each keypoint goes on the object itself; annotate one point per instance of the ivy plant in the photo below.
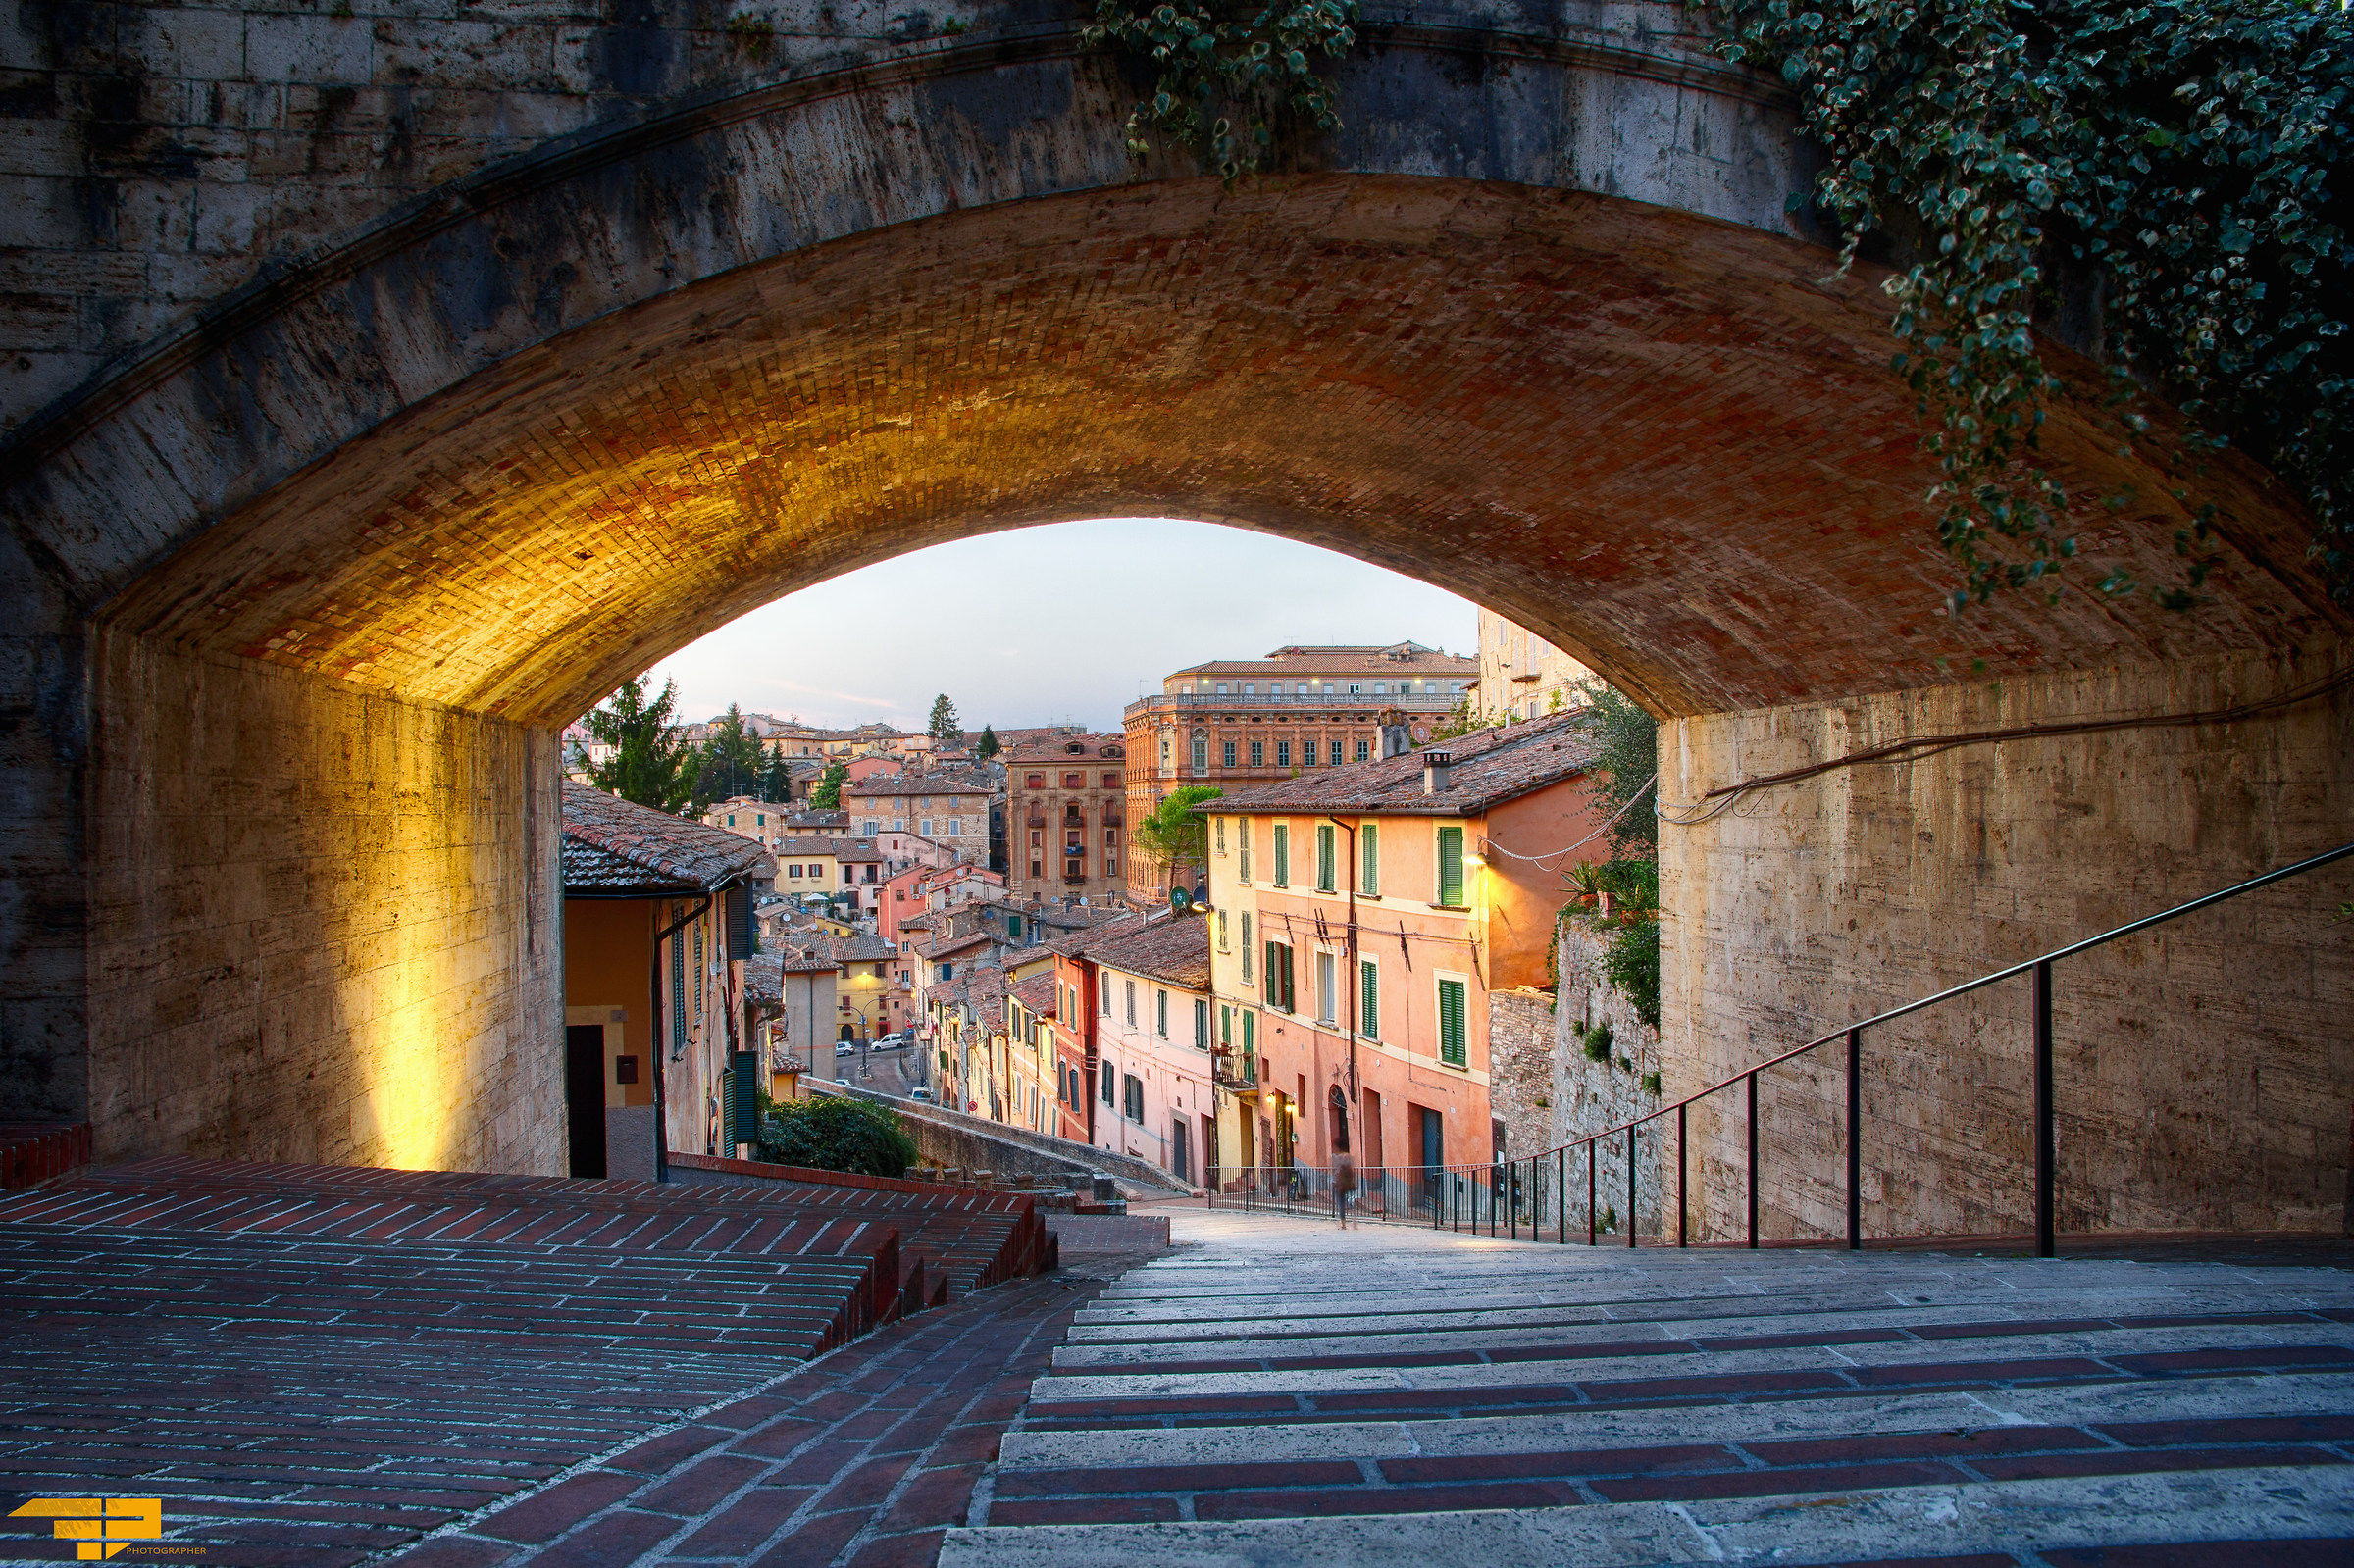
(2169, 173)
(1231, 77)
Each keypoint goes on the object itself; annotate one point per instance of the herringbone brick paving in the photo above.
(862, 1459)
(323, 1365)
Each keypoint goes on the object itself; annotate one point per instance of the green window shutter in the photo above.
(1368, 1009)
(678, 993)
(1274, 986)
(1250, 1043)
(743, 1098)
(1325, 880)
(1370, 881)
(1451, 867)
(1283, 855)
(1451, 1023)
(1226, 1026)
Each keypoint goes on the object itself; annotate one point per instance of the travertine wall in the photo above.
(2205, 1072)
(325, 924)
(1546, 1091)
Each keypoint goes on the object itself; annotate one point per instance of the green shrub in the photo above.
(1597, 1041)
(835, 1133)
(1631, 963)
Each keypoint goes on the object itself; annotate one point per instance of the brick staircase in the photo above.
(330, 1361)
(1288, 1393)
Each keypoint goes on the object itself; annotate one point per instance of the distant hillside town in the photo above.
(1291, 909)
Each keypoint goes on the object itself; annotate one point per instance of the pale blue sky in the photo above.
(1066, 622)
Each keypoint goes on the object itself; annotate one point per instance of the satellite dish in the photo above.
(1180, 901)
(1201, 895)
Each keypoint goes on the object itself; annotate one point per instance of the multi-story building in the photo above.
(659, 922)
(1300, 710)
(1155, 1098)
(1361, 917)
(1521, 676)
(1066, 820)
(1030, 1098)
(951, 809)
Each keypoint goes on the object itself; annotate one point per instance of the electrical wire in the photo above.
(1494, 848)
(1725, 796)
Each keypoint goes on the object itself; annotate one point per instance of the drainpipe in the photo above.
(1352, 979)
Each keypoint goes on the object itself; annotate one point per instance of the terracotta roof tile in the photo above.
(611, 845)
(1174, 949)
(1489, 767)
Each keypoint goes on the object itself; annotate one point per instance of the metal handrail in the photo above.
(2046, 1242)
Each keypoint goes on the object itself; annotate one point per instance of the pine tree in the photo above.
(988, 746)
(730, 763)
(945, 727)
(650, 764)
(776, 778)
(826, 794)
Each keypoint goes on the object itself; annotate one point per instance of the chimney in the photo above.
(1396, 739)
(1436, 765)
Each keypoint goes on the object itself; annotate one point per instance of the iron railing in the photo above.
(1504, 1198)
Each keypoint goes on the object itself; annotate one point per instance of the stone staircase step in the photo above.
(2266, 1409)
(1482, 1401)
(2286, 1515)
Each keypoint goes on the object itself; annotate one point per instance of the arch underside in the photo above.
(1670, 444)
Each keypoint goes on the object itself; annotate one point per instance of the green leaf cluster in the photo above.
(1231, 76)
(826, 793)
(944, 726)
(732, 761)
(834, 1133)
(2169, 177)
(651, 764)
(1175, 835)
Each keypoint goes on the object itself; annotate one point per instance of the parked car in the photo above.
(891, 1042)
(845, 1047)
(919, 1092)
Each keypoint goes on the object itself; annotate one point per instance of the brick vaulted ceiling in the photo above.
(1668, 443)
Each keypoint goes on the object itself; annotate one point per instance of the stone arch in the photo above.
(332, 557)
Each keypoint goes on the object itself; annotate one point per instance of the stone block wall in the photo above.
(1548, 1091)
(2205, 1072)
(154, 158)
(324, 923)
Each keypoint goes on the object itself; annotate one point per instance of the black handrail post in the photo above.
(1753, 1162)
(2047, 1154)
(1630, 1183)
(1855, 1141)
(1589, 1192)
(1680, 1164)
(1560, 1195)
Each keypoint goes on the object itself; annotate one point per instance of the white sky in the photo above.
(1066, 622)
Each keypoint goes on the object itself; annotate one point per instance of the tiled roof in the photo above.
(1297, 660)
(1489, 767)
(1079, 917)
(1048, 748)
(1175, 950)
(813, 845)
(984, 990)
(943, 947)
(1082, 945)
(924, 783)
(1038, 994)
(612, 845)
(863, 948)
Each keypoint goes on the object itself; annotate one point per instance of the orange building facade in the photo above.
(1360, 922)
(1300, 709)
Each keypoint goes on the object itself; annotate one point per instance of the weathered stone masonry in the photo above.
(408, 453)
